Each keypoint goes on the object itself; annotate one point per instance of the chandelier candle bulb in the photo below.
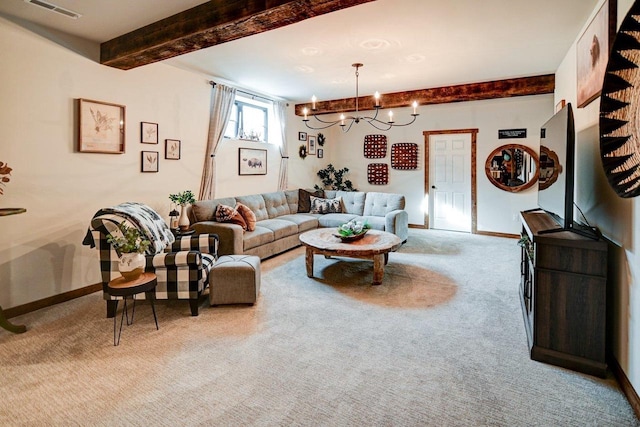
(347, 121)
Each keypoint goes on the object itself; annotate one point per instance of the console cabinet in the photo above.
(563, 295)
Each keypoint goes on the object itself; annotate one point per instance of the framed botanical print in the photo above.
(100, 127)
(148, 133)
(311, 145)
(149, 161)
(172, 149)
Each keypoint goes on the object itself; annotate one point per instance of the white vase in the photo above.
(183, 221)
(131, 265)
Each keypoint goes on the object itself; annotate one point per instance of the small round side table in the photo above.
(128, 288)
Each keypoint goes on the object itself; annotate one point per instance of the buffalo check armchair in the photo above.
(182, 266)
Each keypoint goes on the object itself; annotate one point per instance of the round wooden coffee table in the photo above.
(375, 245)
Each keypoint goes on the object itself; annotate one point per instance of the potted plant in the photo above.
(131, 245)
(183, 199)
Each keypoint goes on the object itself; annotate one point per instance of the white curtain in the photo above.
(280, 110)
(222, 99)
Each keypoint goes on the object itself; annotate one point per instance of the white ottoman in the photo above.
(235, 279)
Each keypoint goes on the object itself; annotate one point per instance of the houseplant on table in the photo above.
(183, 199)
(131, 245)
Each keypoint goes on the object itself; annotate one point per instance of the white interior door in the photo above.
(450, 182)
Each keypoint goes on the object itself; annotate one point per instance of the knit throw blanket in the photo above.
(140, 216)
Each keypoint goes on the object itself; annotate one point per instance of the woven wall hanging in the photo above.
(375, 146)
(404, 155)
(619, 105)
(378, 173)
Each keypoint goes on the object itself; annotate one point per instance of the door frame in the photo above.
(474, 189)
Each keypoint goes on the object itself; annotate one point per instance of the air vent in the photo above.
(54, 8)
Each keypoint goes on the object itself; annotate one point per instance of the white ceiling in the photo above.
(404, 44)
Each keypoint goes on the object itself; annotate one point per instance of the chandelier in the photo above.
(346, 122)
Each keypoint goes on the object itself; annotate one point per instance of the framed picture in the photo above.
(311, 145)
(302, 136)
(172, 149)
(252, 161)
(320, 153)
(100, 127)
(148, 133)
(593, 53)
(149, 161)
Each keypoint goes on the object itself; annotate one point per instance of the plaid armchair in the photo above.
(182, 266)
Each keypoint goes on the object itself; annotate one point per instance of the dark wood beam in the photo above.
(535, 85)
(209, 24)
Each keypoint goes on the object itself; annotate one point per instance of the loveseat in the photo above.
(280, 218)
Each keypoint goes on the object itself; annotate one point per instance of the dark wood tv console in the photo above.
(563, 295)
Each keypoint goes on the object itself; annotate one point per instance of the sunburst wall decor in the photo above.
(619, 109)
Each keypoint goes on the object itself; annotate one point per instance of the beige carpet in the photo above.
(440, 342)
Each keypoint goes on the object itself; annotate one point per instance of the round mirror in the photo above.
(550, 168)
(512, 167)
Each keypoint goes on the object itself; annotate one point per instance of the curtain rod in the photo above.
(244, 92)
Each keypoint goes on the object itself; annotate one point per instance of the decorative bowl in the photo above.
(351, 238)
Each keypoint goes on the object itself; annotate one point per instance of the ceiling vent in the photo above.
(53, 8)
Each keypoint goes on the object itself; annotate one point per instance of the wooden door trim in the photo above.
(474, 188)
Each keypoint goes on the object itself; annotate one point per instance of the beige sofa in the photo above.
(278, 222)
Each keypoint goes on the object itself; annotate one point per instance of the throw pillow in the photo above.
(248, 216)
(304, 201)
(226, 213)
(325, 206)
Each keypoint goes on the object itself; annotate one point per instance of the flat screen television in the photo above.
(557, 142)
(557, 168)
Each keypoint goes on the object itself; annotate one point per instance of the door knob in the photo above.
(433, 186)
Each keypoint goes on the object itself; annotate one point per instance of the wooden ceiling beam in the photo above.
(209, 24)
(535, 85)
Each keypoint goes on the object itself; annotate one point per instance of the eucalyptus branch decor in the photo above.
(5, 172)
(333, 179)
(321, 139)
(184, 198)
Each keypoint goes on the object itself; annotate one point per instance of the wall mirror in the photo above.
(550, 168)
(512, 167)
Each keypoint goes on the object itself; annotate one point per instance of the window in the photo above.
(249, 120)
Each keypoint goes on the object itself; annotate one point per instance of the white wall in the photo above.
(497, 209)
(612, 214)
(40, 251)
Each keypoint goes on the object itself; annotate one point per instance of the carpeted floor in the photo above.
(440, 342)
